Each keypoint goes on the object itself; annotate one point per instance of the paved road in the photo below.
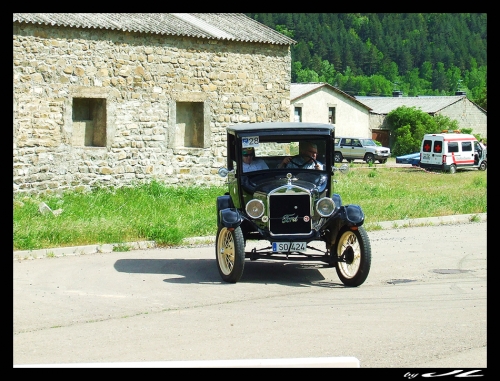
(422, 306)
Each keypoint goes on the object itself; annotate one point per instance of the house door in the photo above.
(381, 136)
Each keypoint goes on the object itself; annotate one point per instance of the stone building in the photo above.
(112, 99)
(457, 107)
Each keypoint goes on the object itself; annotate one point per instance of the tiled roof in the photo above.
(428, 104)
(298, 90)
(218, 26)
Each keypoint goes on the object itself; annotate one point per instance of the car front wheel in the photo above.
(230, 253)
(482, 166)
(338, 157)
(369, 158)
(353, 251)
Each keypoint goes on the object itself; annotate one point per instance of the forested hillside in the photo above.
(376, 53)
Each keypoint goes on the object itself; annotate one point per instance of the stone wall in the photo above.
(468, 115)
(141, 77)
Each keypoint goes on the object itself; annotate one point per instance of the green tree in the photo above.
(409, 125)
(307, 75)
(284, 30)
(404, 141)
(425, 53)
(327, 73)
(300, 53)
(380, 86)
(481, 101)
(439, 79)
(445, 123)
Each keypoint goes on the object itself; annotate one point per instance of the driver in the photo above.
(308, 151)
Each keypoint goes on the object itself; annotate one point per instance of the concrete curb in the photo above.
(210, 240)
(81, 250)
(429, 221)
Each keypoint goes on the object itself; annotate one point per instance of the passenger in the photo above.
(308, 152)
(250, 163)
(479, 147)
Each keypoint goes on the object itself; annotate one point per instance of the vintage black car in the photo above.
(290, 204)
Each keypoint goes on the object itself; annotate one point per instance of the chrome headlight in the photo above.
(325, 207)
(255, 208)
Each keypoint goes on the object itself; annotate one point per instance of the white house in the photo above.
(323, 103)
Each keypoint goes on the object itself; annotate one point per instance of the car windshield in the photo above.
(367, 142)
(271, 154)
(269, 149)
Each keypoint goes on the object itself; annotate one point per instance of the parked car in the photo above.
(364, 149)
(411, 158)
(450, 152)
(294, 209)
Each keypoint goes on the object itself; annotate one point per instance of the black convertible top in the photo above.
(281, 128)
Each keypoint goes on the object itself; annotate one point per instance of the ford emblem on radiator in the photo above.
(289, 218)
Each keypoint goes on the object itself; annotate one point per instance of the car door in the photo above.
(357, 150)
(344, 146)
(432, 150)
(467, 153)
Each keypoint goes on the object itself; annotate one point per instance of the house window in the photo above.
(331, 115)
(298, 114)
(89, 122)
(190, 126)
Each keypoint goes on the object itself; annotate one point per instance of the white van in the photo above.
(451, 151)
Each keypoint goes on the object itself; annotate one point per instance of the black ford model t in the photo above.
(283, 194)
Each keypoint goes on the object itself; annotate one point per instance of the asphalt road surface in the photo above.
(422, 306)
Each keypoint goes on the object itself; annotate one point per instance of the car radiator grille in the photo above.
(290, 214)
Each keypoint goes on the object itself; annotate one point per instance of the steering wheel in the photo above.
(301, 165)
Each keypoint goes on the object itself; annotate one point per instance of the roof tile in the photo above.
(218, 26)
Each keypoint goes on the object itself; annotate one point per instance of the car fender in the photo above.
(224, 202)
(351, 215)
(230, 217)
(348, 215)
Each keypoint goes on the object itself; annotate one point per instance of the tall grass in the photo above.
(167, 215)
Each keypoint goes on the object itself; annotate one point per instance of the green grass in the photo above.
(167, 215)
(388, 194)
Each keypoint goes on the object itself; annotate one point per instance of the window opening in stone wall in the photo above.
(190, 128)
(298, 114)
(331, 115)
(89, 122)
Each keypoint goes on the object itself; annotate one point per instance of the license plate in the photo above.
(289, 246)
(426, 156)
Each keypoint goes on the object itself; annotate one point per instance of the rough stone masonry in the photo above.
(142, 78)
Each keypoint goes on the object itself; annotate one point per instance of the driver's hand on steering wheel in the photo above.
(285, 161)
